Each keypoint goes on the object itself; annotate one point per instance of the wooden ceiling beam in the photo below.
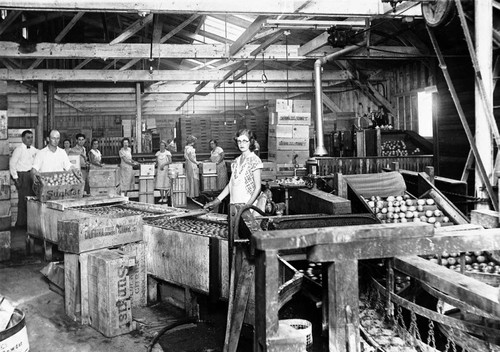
(186, 51)
(165, 75)
(247, 35)
(259, 7)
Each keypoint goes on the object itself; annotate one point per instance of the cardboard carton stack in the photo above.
(289, 122)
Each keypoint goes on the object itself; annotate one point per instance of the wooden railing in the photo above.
(371, 164)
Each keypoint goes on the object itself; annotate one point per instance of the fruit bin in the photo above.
(385, 195)
(58, 185)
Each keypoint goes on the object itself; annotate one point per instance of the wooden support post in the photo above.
(467, 167)
(395, 166)
(50, 106)
(389, 287)
(429, 170)
(138, 118)
(479, 162)
(39, 127)
(342, 292)
(266, 298)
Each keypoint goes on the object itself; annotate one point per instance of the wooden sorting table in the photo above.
(340, 249)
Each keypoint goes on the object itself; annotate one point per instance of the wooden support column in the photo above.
(483, 22)
(39, 126)
(266, 298)
(138, 118)
(343, 292)
(50, 106)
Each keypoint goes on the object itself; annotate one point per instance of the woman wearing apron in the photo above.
(126, 167)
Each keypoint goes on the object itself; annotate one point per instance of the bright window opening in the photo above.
(425, 113)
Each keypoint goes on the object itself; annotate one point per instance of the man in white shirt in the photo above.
(20, 165)
(51, 158)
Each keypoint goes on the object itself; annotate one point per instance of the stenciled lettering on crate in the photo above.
(85, 234)
(109, 294)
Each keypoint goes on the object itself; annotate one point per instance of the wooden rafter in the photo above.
(264, 7)
(60, 36)
(200, 87)
(11, 17)
(132, 29)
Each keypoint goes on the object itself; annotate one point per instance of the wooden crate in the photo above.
(179, 184)
(107, 176)
(279, 143)
(72, 286)
(44, 192)
(147, 170)
(146, 185)
(177, 167)
(137, 273)
(148, 197)
(109, 295)
(5, 184)
(5, 245)
(90, 233)
(208, 182)
(5, 221)
(102, 191)
(208, 168)
(179, 199)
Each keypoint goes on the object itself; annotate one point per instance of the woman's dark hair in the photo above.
(67, 140)
(249, 134)
(125, 139)
(213, 140)
(93, 140)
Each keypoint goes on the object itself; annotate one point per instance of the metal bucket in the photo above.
(15, 338)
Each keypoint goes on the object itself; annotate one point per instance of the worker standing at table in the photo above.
(163, 159)
(95, 156)
(52, 159)
(192, 169)
(79, 149)
(217, 157)
(127, 177)
(20, 165)
(245, 183)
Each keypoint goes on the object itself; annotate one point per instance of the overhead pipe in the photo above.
(318, 66)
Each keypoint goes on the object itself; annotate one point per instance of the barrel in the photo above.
(15, 338)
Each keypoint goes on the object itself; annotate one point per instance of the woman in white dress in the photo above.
(192, 169)
(126, 167)
(95, 156)
(217, 157)
(163, 159)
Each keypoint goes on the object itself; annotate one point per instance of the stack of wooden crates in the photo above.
(289, 122)
(5, 203)
(179, 198)
(147, 183)
(208, 175)
(104, 181)
(104, 270)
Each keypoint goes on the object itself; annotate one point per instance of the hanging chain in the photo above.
(413, 330)
(286, 58)
(399, 318)
(430, 338)
(453, 346)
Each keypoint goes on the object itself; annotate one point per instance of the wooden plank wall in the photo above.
(215, 127)
(404, 83)
(450, 137)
